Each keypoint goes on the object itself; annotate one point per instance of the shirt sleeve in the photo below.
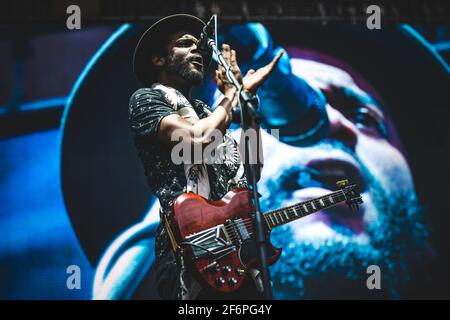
(146, 110)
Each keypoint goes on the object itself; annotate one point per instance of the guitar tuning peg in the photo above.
(342, 183)
(357, 200)
(353, 205)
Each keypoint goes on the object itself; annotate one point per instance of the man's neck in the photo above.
(176, 83)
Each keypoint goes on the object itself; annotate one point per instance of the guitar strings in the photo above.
(248, 223)
(298, 206)
(291, 212)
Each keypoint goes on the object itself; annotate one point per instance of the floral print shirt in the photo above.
(147, 107)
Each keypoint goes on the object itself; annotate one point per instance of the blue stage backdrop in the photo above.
(38, 243)
(73, 192)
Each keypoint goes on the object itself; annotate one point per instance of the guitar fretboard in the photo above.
(281, 216)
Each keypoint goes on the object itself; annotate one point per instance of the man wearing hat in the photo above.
(168, 63)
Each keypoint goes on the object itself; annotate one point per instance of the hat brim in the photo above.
(152, 39)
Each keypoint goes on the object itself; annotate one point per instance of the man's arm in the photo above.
(203, 130)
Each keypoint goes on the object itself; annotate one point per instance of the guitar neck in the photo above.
(285, 215)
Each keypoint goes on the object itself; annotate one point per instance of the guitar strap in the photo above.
(173, 242)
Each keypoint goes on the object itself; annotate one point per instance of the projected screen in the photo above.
(80, 213)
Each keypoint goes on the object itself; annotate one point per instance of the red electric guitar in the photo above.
(215, 238)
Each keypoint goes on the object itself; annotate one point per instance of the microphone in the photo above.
(287, 101)
(207, 33)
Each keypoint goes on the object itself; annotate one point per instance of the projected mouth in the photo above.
(324, 173)
(317, 178)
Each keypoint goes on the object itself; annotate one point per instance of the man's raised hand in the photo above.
(254, 79)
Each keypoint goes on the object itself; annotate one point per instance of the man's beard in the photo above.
(337, 267)
(180, 66)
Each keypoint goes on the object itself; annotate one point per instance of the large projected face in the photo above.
(326, 255)
(329, 254)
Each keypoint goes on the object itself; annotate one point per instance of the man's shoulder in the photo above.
(146, 93)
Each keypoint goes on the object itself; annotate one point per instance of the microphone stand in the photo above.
(247, 114)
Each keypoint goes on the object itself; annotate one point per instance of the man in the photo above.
(168, 63)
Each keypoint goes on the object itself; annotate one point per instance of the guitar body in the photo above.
(216, 238)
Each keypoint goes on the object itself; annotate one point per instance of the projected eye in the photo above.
(367, 120)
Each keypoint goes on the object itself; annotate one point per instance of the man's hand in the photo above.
(224, 85)
(254, 79)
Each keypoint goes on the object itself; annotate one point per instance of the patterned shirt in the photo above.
(148, 106)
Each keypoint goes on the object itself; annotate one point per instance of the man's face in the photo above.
(184, 59)
(327, 254)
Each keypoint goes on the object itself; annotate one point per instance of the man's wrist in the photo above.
(230, 93)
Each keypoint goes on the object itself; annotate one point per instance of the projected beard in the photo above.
(180, 65)
(335, 266)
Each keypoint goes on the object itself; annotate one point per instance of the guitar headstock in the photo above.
(353, 197)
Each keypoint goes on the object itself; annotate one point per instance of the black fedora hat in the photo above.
(154, 38)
